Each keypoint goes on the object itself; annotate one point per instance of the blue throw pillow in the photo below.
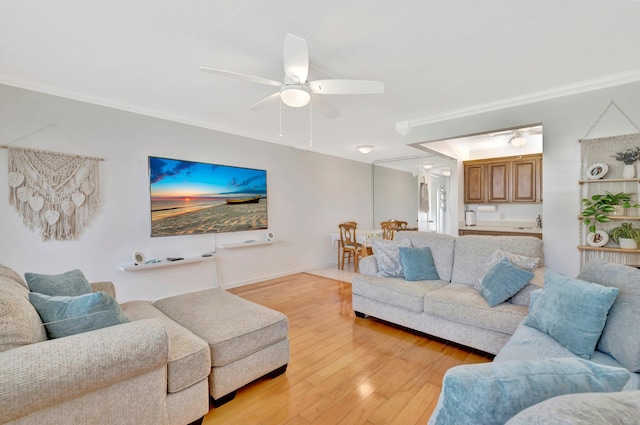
(503, 281)
(69, 284)
(572, 311)
(64, 316)
(417, 264)
(492, 393)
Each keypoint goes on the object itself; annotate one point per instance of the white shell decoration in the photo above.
(52, 216)
(78, 198)
(36, 202)
(15, 179)
(68, 207)
(24, 193)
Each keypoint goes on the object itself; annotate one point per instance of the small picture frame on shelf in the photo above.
(597, 171)
(597, 239)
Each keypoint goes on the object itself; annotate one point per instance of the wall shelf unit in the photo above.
(187, 260)
(594, 152)
(608, 249)
(610, 181)
(243, 244)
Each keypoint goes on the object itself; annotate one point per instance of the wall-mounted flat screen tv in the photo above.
(193, 198)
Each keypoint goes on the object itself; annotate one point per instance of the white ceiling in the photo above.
(437, 59)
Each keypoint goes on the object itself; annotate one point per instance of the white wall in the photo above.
(309, 194)
(565, 120)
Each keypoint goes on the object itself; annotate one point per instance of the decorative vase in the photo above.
(628, 171)
(626, 243)
(618, 210)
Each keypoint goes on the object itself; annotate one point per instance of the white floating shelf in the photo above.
(243, 244)
(187, 260)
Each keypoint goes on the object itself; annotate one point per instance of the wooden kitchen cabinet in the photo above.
(499, 181)
(516, 179)
(474, 184)
(526, 181)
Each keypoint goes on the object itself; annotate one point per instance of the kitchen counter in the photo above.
(504, 229)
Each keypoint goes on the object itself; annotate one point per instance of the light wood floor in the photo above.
(343, 370)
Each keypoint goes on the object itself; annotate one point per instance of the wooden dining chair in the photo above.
(400, 225)
(340, 241)
(349, 246)
(388, 229)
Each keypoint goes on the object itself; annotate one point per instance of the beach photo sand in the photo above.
(213, 218)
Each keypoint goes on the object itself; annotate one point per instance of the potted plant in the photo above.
(626, 236)
(598, 208)
(628, 157)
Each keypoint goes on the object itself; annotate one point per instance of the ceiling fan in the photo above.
(517, 136)
(295, 90)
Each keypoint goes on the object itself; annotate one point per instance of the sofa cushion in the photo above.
(493, 393)
(387, 256)
(397, 292)
(463, 304)
(64, 316)
(473, 251)
(583, 409)
(503, 281)
(189, 356)
(70, 284)
(418, 264)
(232, 326)
(20, 323)
(621, 335)
(572, 311)
(441, 246)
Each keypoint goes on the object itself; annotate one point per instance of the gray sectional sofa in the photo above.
(449, 308)
(535, 378)
(160, 367)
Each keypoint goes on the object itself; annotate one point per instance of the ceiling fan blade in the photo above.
(324, 108)
(250, 78)
(346, 87)
(265, 102)
(296, 58)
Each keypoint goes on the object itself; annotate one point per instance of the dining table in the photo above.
(363, 237)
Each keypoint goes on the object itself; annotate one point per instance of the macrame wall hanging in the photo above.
(55, 193)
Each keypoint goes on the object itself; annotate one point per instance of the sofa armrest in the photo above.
(104, 287)
(368, 265)
(41, 375)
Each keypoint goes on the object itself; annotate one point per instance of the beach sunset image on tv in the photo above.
(190, 198)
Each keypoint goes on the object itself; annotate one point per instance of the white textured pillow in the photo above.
(387, 255)
(522, 262)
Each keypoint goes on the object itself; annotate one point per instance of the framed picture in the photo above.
(597, 171)
(598, 239)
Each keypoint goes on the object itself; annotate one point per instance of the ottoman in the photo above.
(247, 341)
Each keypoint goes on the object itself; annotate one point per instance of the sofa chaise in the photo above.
(160, 364)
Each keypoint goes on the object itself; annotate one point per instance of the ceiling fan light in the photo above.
(295, 96)
(365, 149)
(518, 140)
